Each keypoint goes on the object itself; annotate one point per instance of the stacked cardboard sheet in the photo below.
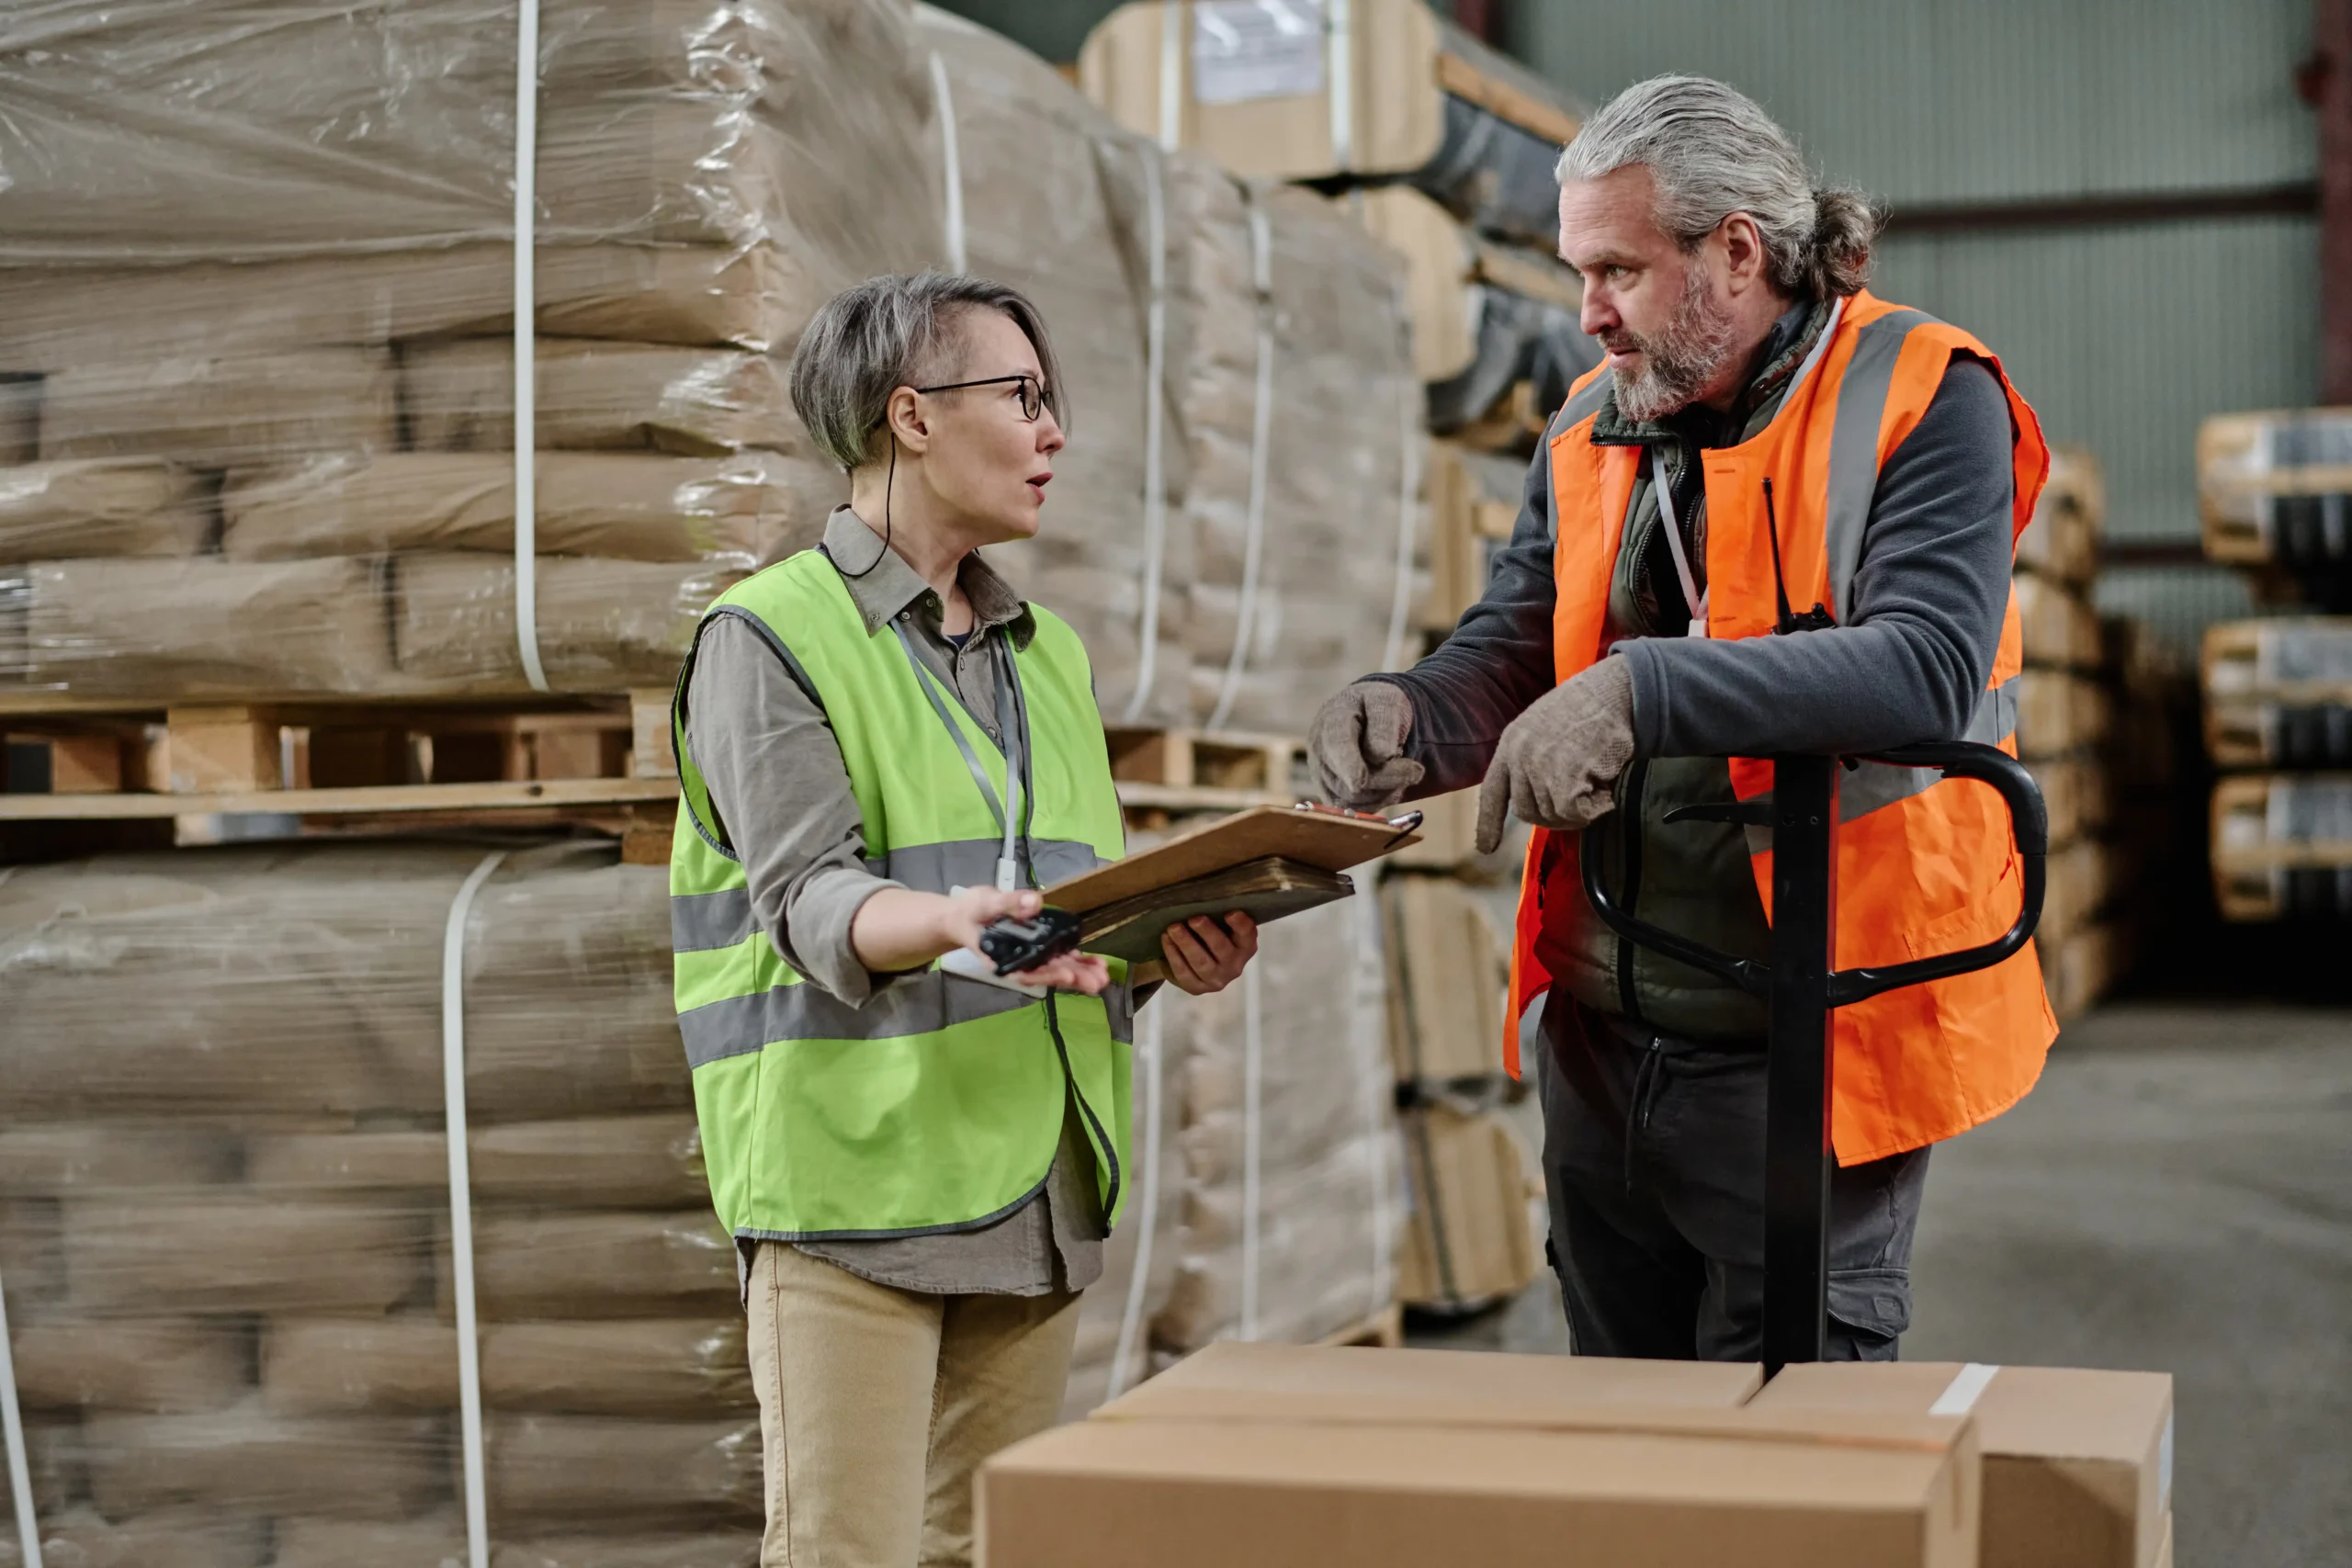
(225, 1215)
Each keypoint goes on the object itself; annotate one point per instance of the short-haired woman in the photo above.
(882, 749)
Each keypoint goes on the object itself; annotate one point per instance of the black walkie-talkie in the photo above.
(1017, 945)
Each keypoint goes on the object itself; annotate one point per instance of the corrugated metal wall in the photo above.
(2123, 337)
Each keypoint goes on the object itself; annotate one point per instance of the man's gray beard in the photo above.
(1681, 359)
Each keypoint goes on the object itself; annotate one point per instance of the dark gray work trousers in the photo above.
(1654, 1167)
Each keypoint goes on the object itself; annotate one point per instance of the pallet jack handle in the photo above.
(1800, 989)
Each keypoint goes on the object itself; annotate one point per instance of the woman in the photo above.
(882, 749)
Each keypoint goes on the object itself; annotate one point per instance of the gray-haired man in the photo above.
(1779, 519)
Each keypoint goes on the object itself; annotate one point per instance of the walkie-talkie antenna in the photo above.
(1787, 623)
(1816, 619)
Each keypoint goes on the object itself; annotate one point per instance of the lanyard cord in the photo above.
(1012, 723)
(1690, 594)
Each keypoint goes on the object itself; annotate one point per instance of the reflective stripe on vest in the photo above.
(938, 1104)
(1924, 863)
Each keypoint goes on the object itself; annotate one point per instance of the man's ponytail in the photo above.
(1845, 225)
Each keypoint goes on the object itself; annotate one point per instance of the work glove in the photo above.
(1557, 763)
(1357, 747)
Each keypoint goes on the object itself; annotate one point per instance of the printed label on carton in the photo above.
(1256, 48)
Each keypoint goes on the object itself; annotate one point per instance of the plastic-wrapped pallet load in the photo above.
(226, 1212)
(2281, 846)
(1291, 1208)
(1375, 91)
(248, 273)
(1046, 193)
(2274, 487)
(1301, 412)
(2279, 692)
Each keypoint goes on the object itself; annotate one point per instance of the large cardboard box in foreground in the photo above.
(1295, 1376)
(1254, 1456)
(1626, 1486)
(2077, 1464)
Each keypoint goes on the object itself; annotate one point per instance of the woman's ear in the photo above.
(903, 413)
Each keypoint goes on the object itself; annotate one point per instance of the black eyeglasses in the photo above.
(1034, 398)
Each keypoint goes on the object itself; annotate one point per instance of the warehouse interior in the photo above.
(349, 553)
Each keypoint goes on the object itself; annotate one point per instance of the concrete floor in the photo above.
(2176, 1195)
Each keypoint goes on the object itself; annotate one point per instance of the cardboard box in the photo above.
(2077, 1464)
(1470, 1240)
(1375, 1486)
(1493, 1384)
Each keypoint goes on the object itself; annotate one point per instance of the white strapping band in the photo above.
(1370, 992)
(20, 1468)
(461, 1208)
(1155, 467)
(1960, 1395)
(951, 164)
(1127, 1358)
(1261, 432)
(1171, 75)
(1341, 83)
(1411, 405)
(1252, 1077)
(527, 388)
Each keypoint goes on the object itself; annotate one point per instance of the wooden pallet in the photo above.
(241, 749)
(1383, 1330)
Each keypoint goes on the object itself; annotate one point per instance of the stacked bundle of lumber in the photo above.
(257, 284)
(2067, 703)
(2277, 690)
(225, 1215)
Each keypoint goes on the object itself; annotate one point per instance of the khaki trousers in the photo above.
(877, 1405)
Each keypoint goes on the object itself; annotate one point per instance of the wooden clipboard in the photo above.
(1327, 840)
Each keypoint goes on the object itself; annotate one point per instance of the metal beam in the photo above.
(2328, 80)
(2295, 199)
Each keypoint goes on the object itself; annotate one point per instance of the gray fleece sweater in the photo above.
(1909, 662)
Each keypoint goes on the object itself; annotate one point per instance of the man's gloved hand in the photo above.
(1557, 762)
(1356, 745)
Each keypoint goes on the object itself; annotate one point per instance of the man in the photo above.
(1778, 518)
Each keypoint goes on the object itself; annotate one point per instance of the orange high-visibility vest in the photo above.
(1923, 864)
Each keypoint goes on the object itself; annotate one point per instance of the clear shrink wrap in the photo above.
(1046, 194)
(1292, 1181)
(257, 268)
(225, 1215)
(1302, 416)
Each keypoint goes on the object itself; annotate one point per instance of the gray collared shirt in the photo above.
(778, 784)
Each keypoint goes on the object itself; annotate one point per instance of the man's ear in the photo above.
(1746, 261)
(904, 416)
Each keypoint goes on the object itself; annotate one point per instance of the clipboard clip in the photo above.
(1404, 824)
(1408, 822)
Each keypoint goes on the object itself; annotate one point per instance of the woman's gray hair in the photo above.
(865, 342)
(1713, 151)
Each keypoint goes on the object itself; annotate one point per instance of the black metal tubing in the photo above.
(1754, 979)
(2030, 821)
(1798, 1064)
(1802, 991)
